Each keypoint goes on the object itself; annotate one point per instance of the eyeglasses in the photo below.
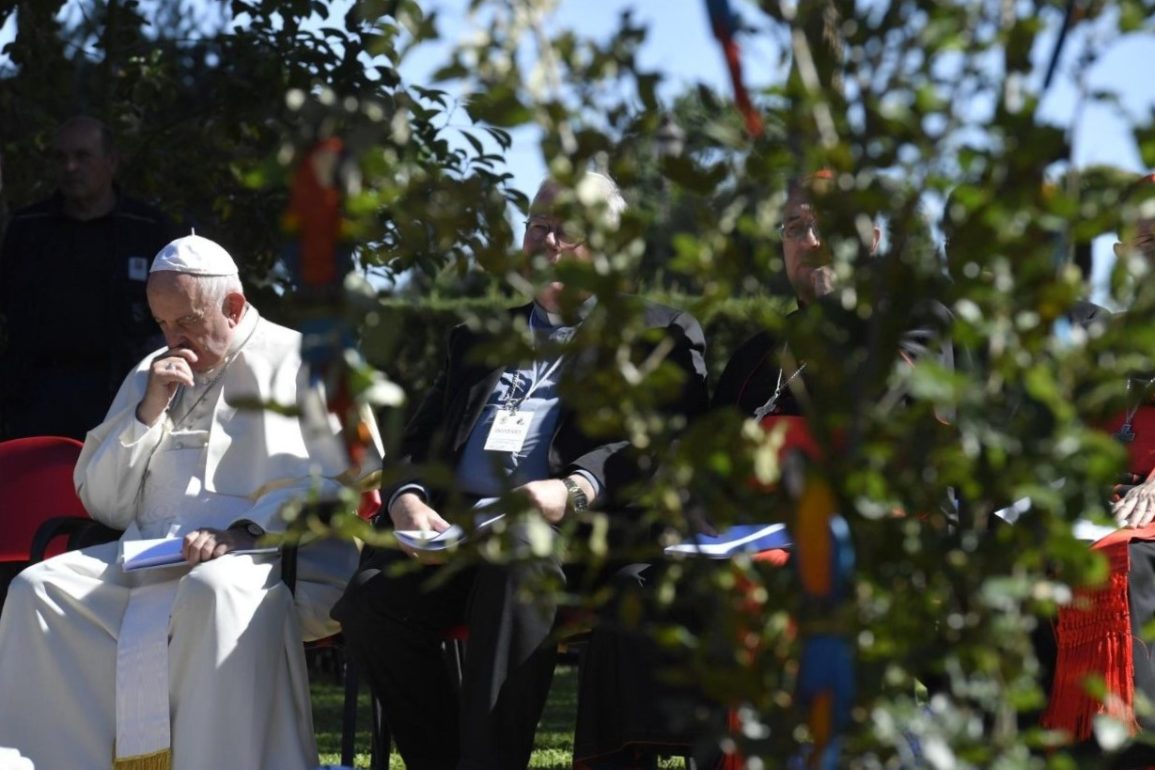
(537, 230)
(798, 229)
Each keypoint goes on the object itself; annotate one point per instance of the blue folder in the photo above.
(742, 538)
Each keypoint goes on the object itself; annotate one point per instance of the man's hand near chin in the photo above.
(167, 372)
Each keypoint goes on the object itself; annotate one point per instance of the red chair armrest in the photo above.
(80, 532)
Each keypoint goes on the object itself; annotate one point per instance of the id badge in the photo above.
(509, 431)
(138, 268)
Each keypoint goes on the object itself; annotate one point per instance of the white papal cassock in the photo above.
(103, 669)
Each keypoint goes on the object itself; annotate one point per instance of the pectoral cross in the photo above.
(770, 407)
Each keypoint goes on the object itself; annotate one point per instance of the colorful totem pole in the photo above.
(342, 386)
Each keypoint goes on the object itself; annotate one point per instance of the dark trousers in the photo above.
(634, 698)
(394, 624)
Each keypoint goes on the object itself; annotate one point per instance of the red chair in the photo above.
(35, 487)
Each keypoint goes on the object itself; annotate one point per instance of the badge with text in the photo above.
(509, 431)
(138, 268)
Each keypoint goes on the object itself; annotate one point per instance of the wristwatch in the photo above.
(251, 527)
(577, 502)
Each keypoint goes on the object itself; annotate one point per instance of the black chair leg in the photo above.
(454, 653)
(382, 743)
(349, 713)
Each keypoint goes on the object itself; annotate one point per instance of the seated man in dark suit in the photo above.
(393, 620)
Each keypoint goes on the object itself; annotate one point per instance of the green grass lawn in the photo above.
(554, 744)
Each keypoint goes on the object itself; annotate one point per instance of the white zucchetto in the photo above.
(194, 255)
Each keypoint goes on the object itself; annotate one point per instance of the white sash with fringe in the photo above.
(143, 739)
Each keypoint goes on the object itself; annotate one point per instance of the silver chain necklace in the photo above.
(1126, 432)
(177, 423)
(772, 403)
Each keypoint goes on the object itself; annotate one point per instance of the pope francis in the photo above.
(197, 666)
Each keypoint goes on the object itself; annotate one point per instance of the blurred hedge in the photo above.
(405, 338)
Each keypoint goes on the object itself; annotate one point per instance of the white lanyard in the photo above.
(511, 401)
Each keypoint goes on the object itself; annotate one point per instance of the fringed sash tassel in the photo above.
(160, 760)
(1094, 639)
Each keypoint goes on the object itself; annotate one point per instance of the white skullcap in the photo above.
(194, 255)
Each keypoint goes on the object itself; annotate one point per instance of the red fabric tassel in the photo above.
(733, 761)
(1094, 638)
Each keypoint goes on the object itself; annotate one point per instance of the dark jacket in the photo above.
(757, 366)
(74, 312)
(440, 428)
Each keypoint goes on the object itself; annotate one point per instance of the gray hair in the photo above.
(217, 287)
(596, 193)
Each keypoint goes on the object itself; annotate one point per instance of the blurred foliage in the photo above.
(907, 102)
(407, 339)
(211, 102)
